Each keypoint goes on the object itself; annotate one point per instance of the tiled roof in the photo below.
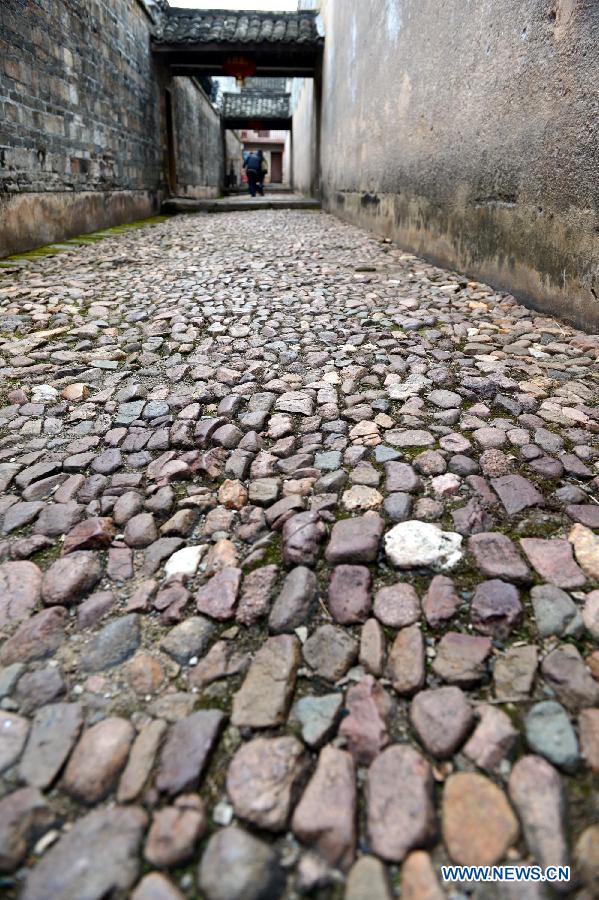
(256, 106)
(231, 27)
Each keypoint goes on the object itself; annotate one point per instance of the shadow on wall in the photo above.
(542, 263)
(469, 139)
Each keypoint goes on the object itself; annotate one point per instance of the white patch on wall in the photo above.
(394, 19)
(353, 43)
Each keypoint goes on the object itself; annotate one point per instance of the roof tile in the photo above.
(256, 105)
(230, 27)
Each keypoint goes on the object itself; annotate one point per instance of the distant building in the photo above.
(260, 99)
(275, 147)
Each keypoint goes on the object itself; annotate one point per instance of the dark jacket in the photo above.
(252, 163)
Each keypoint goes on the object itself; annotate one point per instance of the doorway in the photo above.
(275, 146)
(276, 166)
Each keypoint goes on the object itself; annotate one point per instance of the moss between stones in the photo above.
(271, 554)
(249, 638)
(70, 243)
(334, 891)
(581, 791)
(409, 454)
(44, 558)
(214, 700)
(342, 513)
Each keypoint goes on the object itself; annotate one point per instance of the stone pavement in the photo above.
(240, 202)
(299, 581)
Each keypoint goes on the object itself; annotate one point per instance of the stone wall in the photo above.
(82, 143)
(234, 154)
(468, 132)
(199, 142)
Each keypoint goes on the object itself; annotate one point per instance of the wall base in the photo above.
(32, 220)
(198, 192)
(551, 267)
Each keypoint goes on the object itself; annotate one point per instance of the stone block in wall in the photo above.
(80, 121)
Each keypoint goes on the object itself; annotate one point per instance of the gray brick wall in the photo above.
(82, 141)
(79, 96)
(199, 141)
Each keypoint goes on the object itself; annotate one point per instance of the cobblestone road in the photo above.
(299, 571)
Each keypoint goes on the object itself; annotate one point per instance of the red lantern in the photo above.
(240, 67)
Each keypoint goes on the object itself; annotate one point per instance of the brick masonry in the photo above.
(200, 157)
(81, 137)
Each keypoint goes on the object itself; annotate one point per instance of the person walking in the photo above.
(252, 166)
(262, 174)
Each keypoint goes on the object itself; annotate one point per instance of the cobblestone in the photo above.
(230, 482)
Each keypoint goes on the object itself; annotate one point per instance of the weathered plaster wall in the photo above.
(200, 157)
(469, 133)
(287, 166)
(82, 142)
(304, 137)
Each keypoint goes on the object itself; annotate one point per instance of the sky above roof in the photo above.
(277, 5)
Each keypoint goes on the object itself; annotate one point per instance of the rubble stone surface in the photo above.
(299, 568)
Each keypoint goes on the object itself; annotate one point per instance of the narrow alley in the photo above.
(299, 583)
